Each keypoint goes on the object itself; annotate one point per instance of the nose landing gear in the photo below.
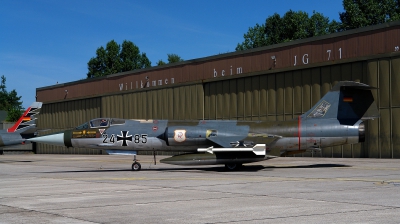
(136, 165)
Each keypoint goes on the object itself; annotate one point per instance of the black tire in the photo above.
(232, 166)
(136, 166)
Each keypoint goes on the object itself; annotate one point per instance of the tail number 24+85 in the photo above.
(136, 138)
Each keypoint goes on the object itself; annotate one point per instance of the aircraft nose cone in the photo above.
(54, 139)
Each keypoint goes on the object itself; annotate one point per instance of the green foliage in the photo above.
(10, 101)
(3, 94)
(115, 58)
(361, 13)
(14, 114)
(292, 26)
(319, 25)
(335, 26)
(255, 37)
(172, 58)
(161, 62)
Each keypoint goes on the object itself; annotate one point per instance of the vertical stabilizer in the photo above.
(347, 102)
(27, 120)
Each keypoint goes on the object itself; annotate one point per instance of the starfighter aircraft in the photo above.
(24, 128)
(337, 119)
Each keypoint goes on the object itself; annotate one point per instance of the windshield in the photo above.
(82, 126)
(99, 122)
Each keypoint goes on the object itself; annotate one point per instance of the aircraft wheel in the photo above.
(232, 166)
(136, 166)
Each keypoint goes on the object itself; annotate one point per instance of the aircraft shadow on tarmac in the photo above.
(245, 168)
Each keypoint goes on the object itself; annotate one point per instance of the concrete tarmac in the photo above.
(103, 189)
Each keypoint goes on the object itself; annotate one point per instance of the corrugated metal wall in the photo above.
(273, 96)
(283, 96)
(179, 103)
(65, 115)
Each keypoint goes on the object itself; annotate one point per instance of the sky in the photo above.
(45, 42)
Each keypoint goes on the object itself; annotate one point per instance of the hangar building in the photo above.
(277, 82)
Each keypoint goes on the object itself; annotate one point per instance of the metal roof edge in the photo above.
(257, 73)
(235, 53)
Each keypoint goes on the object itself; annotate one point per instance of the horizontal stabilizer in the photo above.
(258, 149)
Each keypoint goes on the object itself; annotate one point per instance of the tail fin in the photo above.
(27, 120)
(348, 102)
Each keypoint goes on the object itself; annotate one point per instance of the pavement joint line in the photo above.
(189, 186)
(44, 185)
(79, 193)
(298, 216)
(199, 199)
(342, 179)
(297, 192)
(84, 207)
(281, 196)
(43, 212)
(156, 202)
(225, 178)
(339, 202)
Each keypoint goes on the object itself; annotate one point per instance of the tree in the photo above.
(361, 13)
(172, 58)
(131, 58)
(3, 94)
(14, 114)
(274, 29)
(295, 25)
(161, 62)
(292, 26)
(115, 58)
(319, 25)
(255, 37)
(10, 102)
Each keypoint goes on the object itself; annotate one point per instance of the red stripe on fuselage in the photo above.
(299, 132)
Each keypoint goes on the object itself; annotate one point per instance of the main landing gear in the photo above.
(136, 165)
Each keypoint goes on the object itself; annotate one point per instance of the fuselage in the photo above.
(336, 119)
(188, 136)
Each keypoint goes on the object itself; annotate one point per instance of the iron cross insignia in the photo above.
(124, 137)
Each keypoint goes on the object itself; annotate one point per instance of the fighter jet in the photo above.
(337, 119)
(24, 128)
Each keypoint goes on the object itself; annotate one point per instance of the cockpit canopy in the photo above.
(101, 123)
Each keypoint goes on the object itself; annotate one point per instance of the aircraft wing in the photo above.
(251, 140)
(256, 143)
(267, 139)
